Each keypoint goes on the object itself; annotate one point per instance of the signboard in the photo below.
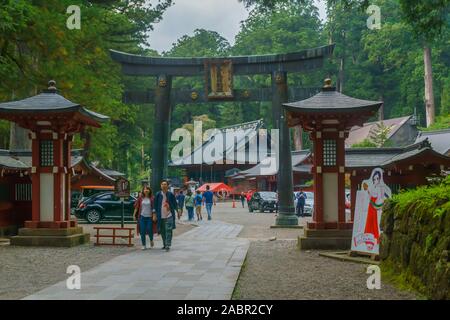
(368, 210)
(219, 79)
(122, 188)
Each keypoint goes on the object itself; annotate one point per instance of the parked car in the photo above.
(75, 197)
(89, 191)
(105, 206)
(309, 203)
(263, 201)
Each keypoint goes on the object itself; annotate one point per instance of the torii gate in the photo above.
(218, 74)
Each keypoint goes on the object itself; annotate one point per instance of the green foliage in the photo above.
(442, 122)
(366, 143)
(427, 17)
(380, 134)
(4, 134)
(36, 46)
(425, 200)
(378, 137)
(203, 43)
(416, 239)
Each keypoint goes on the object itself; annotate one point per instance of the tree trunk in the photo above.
(142, 152)
(18, 138)
(341, 76)
(429, 96)
(86, 136)
(381, 110)
(298, 143)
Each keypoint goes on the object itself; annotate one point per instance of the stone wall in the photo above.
(415, 242)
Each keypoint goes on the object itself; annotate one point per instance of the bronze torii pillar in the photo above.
(285, 186)
(160, 146)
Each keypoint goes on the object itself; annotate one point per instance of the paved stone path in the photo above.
(203, 263)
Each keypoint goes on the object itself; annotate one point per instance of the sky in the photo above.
(183, 17)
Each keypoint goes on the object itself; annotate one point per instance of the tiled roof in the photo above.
(358, 134)
(266, 168)
(246, 133)
(439, 139)
(330, 100)
(112, 173)
(21, 159)
(369, 157)
(48, 101)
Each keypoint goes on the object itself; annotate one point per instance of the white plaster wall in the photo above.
(330, 193)
(46, 201)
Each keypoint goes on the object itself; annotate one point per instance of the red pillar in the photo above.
(35, 179)
(340, 154)
(57, 179)
(318, 222)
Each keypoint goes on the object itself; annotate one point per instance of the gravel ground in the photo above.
(256, 225)
(25, 270)
(278, 270)
(305, 275)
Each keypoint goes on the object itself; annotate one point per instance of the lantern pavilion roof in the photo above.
(330, 104)
(46, 106)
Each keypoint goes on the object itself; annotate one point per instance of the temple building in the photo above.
(233, 156)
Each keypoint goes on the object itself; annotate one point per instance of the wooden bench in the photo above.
(114, 236)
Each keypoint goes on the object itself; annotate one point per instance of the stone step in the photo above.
(51, 241)
(328, 233)
(26, 232)
(324, 243)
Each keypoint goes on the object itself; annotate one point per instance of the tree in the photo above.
(36, 46)
(379, 135)
(427, 18)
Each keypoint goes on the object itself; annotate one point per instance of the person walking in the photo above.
(301, 199)
(209, 200)
(198, 205)
(243, 199)
(145, 216)
(165, 207)
(189, 202)
(180, 201)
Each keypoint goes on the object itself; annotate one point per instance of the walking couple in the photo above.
(156, 215)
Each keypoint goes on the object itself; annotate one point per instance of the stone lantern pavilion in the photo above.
(53, 121)
(328, 117)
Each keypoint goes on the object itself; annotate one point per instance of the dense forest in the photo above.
(386, 63)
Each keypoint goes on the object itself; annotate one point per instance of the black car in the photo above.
(263, 201)
(105, 206)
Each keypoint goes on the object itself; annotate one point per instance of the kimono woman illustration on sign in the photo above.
(378, 192)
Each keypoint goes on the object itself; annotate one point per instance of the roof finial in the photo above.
(52, 86)
(327, 86)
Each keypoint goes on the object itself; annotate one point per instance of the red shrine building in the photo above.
(52, 121)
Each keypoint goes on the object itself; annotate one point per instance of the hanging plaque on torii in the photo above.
(219, 79)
